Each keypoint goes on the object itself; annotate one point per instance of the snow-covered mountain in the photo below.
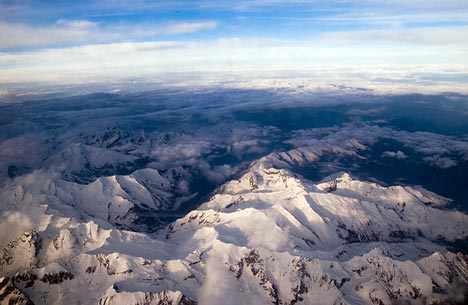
(270, 237)
(137, 201)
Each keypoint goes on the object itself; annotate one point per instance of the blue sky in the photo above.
(57, 39)
(293, 20)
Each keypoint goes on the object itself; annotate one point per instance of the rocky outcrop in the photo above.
(22, 251)
(10, 295)
(147, 298)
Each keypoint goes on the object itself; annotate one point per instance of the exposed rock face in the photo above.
(57, 278)
(148, 298)
(22, 251)
(10, 295)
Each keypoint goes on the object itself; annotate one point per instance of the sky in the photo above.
(80, 41)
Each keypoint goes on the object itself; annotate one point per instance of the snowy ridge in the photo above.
(270, 237)
(327, 214)
(311, 151)
(164, 297)
(128, 201)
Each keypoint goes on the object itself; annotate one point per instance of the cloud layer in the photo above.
(112, 40)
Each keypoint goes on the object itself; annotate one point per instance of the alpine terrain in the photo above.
(270, 236)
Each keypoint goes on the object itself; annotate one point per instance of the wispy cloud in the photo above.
(78, 32)
(19, 35)
(453, 35)
(188, 27)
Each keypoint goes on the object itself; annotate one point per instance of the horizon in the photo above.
(61, 42)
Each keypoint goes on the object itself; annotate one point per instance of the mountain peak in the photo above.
(270, 236)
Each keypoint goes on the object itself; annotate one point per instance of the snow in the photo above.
(269, 237)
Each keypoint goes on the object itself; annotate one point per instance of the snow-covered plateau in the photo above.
(269, 237)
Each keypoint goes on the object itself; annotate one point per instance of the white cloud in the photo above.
(436, 149)
(77, 24)
(13, 224)
(395, 154)
(79, 32)
(359, 62)
(441, 162)
(428, 36)
(14, 35)
(77, 51)
(189, 27)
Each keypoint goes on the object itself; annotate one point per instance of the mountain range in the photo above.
(269, 237)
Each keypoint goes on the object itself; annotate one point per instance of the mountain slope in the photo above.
(270, 237)
(136, 201)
